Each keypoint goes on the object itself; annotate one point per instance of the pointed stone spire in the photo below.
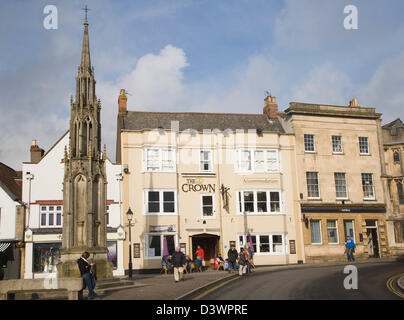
(85, 53)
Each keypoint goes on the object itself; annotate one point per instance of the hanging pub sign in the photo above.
(170, 228)
(197, 185)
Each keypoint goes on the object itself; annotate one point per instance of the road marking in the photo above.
(391, 287)
(214, 288)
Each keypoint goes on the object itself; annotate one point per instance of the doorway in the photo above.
(209, 243)
(373, 239)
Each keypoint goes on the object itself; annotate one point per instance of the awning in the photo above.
(4, 246)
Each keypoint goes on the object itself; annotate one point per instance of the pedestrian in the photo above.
(178, 260)
(188, 264)
(200, 255)
(242, 262)
(250, 257)
(232, 254)
(350, 248)
(86, 272)
(219, 262)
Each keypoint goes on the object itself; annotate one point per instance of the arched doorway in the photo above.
(209, 243)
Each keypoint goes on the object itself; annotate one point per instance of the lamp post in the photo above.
(129, 215)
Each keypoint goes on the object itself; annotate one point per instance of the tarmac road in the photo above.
(375, 282)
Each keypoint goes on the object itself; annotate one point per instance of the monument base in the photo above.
(68, 267)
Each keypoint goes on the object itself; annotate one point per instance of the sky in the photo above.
(192, 55)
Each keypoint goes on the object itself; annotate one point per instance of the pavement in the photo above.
(163, 287)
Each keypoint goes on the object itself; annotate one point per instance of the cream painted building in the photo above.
(211, 180)
(339, 176)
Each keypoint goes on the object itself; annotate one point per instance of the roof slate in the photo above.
(136, 120)
(8, 182)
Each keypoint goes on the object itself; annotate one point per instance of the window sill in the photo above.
(312, 152)
(338, 153)
(365, 154)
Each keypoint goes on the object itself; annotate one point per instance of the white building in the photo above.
(11, 215)
(43, 190)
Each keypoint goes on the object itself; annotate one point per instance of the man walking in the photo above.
(178, 261)
(350, 248)
(232, 254)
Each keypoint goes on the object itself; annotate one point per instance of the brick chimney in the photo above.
(36, 152)
(271, 107)
(122, 100)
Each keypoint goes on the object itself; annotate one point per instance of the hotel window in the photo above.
(51, 217)
(259, 202)
(160, 160)
(309, 143)
(337, 144)
(396, 157)
(207, 206)
(367, 186)
(315, 231)
(154, 245)
(160, 202)
(313, 190)
(400, 192)
(206, 161)
(332, 230)
(265, 243)
(257, 161)
(363, 145)
(340, 185)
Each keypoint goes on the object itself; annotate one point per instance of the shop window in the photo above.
(46, 257)
(349, 229)
(112, 254)
(155, 245)
(332, 231)
(315, 231)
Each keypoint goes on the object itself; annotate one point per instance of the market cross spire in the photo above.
(85, 54)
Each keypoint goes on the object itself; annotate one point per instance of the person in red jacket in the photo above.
(200, 254)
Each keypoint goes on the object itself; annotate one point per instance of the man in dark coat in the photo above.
(178, 261)
(85, 271)
(232, 254)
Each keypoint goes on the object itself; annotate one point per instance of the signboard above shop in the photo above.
(170, 228)
(198, 185)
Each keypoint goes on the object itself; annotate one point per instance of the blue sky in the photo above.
(195, 55)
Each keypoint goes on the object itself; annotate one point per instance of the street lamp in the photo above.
(129, 215)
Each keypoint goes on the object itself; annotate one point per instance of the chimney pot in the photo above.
(122, 102)
(36, 152)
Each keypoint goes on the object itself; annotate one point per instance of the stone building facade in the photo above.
(393, 145)
(339, 175)
(211, 180)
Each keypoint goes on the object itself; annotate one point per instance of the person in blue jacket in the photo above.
(350, 248)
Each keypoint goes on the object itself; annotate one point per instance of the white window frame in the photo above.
(213, 206)
(334, 228)
(367, 144)
(318, 186)
(202, 161)
(321, 233)
(285, 250)
(373, 187)
(160, 159)
(346, 186)
(255, 199)
(314, 143)
(353, 227)
(332, 144)
(47, 212)
(161, 202)
(253, 169)
(161, 234)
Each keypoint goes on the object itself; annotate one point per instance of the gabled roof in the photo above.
(8, 182)
(138, 120)
(395, 123)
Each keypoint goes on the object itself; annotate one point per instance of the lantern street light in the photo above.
(129, 215)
